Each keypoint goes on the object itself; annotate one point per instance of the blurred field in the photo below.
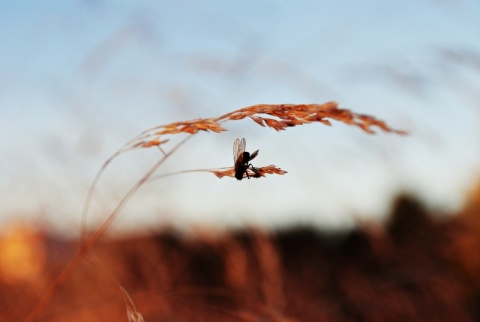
(417, 267)
(81, 76)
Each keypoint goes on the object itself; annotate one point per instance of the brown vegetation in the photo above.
(280, 117)
(276, 116)
(415, 268)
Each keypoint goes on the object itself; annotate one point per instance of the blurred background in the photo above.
(79, 79)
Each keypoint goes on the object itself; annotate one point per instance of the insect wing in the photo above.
(238, 148)
(236, 144)
(253, 155)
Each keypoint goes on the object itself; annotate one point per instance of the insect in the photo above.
(241, 159)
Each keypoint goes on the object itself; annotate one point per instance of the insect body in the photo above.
(241, 159)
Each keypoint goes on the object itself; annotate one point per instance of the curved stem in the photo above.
(92, 240)
(88, 199)
(160, 176)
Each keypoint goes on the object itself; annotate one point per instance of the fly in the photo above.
(241, 159)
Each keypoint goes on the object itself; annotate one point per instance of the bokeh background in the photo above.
(362, 228)
(81, 78)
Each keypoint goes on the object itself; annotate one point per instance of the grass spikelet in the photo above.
(270, 169)
(289, 115)
(255, 173)
(152, 137)
(281, 116)
(132, 314)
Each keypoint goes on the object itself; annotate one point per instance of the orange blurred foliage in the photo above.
(22, 256)
(417, 267)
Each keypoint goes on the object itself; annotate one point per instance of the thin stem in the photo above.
(91, 190)
(162, 150)
(88, 245)
(88, 199)
(160, 176)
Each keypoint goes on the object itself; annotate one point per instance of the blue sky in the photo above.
(78, 79)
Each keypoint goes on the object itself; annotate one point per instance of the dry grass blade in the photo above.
(276, 116)
(289, 115)
(132, 313)
(255, 173)
(269, 169)
(152, 137)
(227, 172)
